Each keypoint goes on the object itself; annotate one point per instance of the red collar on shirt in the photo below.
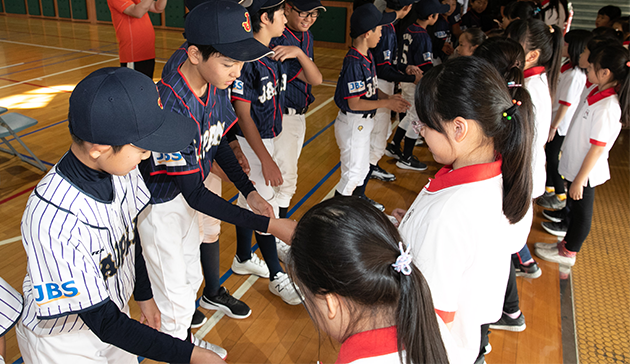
(447, 177)
(596, 96)
(366, 58)
(368, 344)
(533, 71)
(588, 84)
(566, 66)
(544, 3)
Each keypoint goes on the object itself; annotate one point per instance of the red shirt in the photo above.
(136, 37)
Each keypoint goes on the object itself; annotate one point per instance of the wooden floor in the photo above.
(42, 60)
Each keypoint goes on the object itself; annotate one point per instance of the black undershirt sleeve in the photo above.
(205, 201)
(142, 290)
(229, 164)
(231, 134)
(389, 73)
(112, 326)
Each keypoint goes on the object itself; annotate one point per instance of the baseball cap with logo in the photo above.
(308, 5)
(191, 4)
(426, 8)
(119, 106)
(367, 17)
(224, 25)
(263, 4)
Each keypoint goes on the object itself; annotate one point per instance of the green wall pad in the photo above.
(102, 11)
(174, 14)
(63, 7)
(156, 19)
(48, 7)
(79, 9)
(331, 25)
(33, 7)
(15, 6)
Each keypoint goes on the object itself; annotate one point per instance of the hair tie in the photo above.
(417, 126)
(513, 84)
(511, 110)
(551, 30)
(536, 11)
(628, 64)
(403, 262)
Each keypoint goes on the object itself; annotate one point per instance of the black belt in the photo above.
(297, 111)
(365, 116)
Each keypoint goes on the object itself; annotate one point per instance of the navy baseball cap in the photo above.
(406, 2)
(224, 25)
(367, 17)
(425, 8)
(308, 5)
(119, 106)
(264, 4)
(191, 4)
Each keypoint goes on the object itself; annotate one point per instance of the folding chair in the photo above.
(10, 125)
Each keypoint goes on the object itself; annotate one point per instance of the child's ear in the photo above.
(96, 150)
(264, 18)
(334, 305)
(532, 56)
(460, 129)
(194, 55)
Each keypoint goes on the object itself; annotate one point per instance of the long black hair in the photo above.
(534, 34)
(521, 10)
(345, 246)
(577, 40)
(483, 95)
(616, 59)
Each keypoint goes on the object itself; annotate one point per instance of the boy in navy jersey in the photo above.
(257, 96)
(302, 74)
(219, 41)
(357, 96)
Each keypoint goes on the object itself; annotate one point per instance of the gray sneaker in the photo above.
(551, 201)
(411, 163)
(206, 345)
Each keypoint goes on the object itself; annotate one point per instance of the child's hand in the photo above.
(240, 157)
(413, 70)
(259, 205)
(447, 49)
(151, 315)
(398, 104)
(552, 134)
(576, 190)
(272, 174)
(286, 52)
(282, 229)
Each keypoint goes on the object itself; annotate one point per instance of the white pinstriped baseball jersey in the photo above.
(11, 303)
(81, 251)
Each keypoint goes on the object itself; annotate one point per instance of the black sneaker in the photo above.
(555, 216)
(198, 319)
(551, 201)
(558, 229)
(381, 174)
(379, 206)
(227, 304)
(509, 324)
(411, 163)
(528, 271)
(393, 151)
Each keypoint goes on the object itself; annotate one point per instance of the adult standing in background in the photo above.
(134, 32)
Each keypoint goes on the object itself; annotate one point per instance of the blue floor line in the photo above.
(40, 129)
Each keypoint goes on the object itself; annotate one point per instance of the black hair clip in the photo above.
(511, 110)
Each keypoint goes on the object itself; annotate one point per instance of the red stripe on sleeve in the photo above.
(597, 142)
(564, 103)
(446, 316)
(240, 99)
(353, 96)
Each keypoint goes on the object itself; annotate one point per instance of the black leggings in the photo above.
(552, 151)
(579, 218)
(146, 67)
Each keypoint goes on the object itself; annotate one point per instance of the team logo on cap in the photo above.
(246, 24)
(159, 99)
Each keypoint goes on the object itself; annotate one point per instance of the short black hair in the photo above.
(577, 39)
(206, 50)
(255, 17)
(80, 142)
(611, 11)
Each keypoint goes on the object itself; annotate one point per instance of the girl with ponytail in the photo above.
(458, 224)
(584, 161)
(361, 287)
(542, 44)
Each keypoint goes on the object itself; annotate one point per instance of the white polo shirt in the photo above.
(462, 242)
(596, 123)
(536, 84)
(570, 85)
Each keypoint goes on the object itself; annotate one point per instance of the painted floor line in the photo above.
(57, 73)
(9, 241)
(56, 48)
(12, 65)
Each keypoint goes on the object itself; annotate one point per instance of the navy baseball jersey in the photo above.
(456, 17)
(417, 48)
(440, 33)
(11, 304)
(81, 250)
(473, 19)
(178, 57)
(214, 116)
(357, 79)
(387, 48)
(298, 95)
(262, 84)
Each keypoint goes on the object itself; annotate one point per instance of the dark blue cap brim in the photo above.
(175, 134)
(247, 50)
(308, 5)
(387, 18)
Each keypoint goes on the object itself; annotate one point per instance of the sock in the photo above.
(398, 136)
(530, 261)
(514, 315)
(408, 148)
(210, 264)
(561, 196)
(359, 191)
(564, 252)
(243, 243)
(550, 189)
(267, 245)
(283, 212)
(337, 193)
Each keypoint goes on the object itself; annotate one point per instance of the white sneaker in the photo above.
(282, 286)
(206, 345)
(552, 255)
(255, 266)
(283, 250)
(540, 245)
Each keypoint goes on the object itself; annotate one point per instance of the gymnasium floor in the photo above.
(583, 317)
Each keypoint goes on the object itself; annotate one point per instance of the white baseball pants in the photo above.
(408, 93)
(352, 132)
(287, 149)
(209, 227)
(382, 126)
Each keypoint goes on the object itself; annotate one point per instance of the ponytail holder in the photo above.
(628, 64)
(513, 84)
(536, 11)
(551, 30)
(403, 262)
(511, 110)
